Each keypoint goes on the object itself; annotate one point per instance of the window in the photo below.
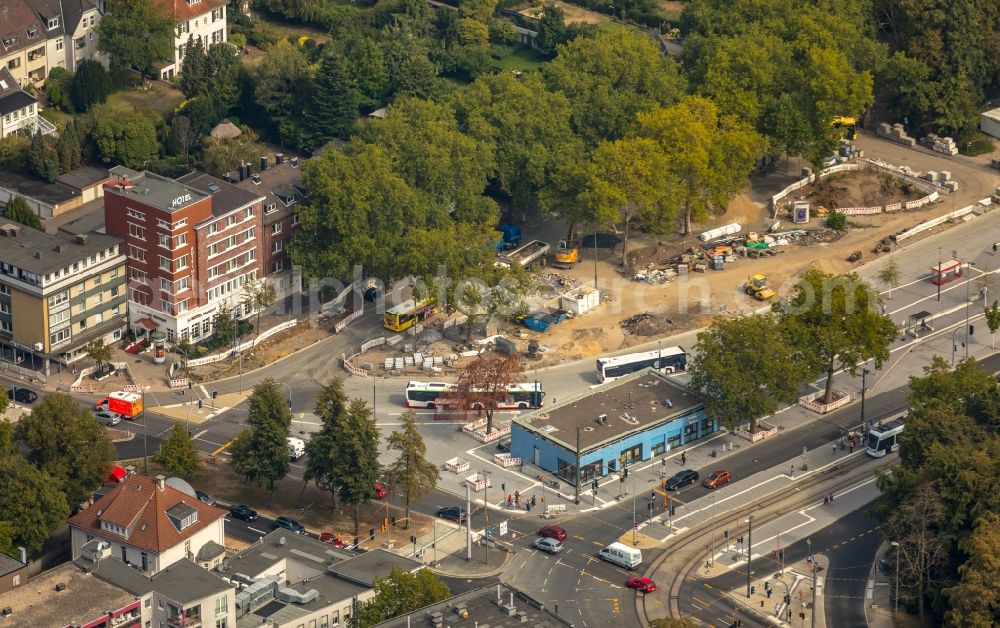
(166, 285)
(5, 326)
(138, 275)
(164, 263)
(133, 213)
(114, 273)
(249, 234)
(140, 297)
(171, 336)
(181, 285)
(80, 42)
(182, 262)
(59, 337)
(166, 305)
(162, 224)
(278, 266)
(136, 231)
(184, 27)
(217, 14)
(221, 623)
(180, 240)
(335, 618)
(206, 327)
(4, 289)
(53, 22)
(165, 241)
(136, 253)
(58, 299)
(270, 207)
(83, 324)
(248, 213)
(58, 318)
(97, 280)
(276, 228)
(114, 291)
(4, 308)
(13, 64)
(59, 45)
(182, 306)
(213, 228)
(215, 271)
(295, 219)
(276, 248)
(221, 605)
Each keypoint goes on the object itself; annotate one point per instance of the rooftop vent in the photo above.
(7, 611)
(10, 230)
(214, 188)
(81, 239)
(602, 419)
(60, 587)
(295, 162)
(255, 178)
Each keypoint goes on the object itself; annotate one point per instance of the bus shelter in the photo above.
(944, 272)
(919, 323)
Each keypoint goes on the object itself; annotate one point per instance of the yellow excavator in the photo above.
(845, 127)
(757, 288)
(568, 251)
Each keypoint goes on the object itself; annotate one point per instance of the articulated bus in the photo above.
(519, 396)
(884, 439)
(408, 313)
(667, 360)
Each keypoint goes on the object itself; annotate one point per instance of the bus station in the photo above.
(633, 419)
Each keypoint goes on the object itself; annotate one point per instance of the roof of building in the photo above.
(281, 185)
(631, 404)
(226, 197)
(183, 10)
(42, 253)
(483, 606)
(84, 177)
(12, 97)
(20, 27)
(83, 599)
(84, 219)
(377, 563)
(9, 564)
(151, 189)
(183, 581)
(30, 187)
(46, 10)
(140, 503)
(225, 130)
(285, 545)
(330, 590)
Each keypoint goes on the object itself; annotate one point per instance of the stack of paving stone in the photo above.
(940, 144)
(942, 179)
(896, 133)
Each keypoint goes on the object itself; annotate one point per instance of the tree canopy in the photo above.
(135, 33)
(401, 593)
(410, 473)
(18, 210)
(260, 453)
(178, 454)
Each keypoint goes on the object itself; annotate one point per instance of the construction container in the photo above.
(718, 262)
(581, 300)
(800, 212)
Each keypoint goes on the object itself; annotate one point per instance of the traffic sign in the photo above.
(502, 529)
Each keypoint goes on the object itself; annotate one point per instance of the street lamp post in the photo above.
(812, 563)
(711, 557)
(954, 346)
(576, 498)
(634, 497)
(145, 453)
(967, 264)
(864, 375)
(895, 606)
(939, 275)
(486, 510)
(749, 550)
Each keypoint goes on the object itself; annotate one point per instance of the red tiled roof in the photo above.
(138, 499)
(181, 11)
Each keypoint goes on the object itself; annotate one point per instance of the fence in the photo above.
(20, 370)
(250, 344)
(933, 222)
(350, 368)
(339, 327)
(78, 387)
(374, 342)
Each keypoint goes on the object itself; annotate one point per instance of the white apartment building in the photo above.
(203, 20)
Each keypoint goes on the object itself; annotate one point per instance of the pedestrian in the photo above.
(831, 495)
(883, 309)
(684, 457)
(850, 445)
(995, 245)
(510, 500)
(835, 449)
(791, 470)
(826, 498)
(517, 498)
(532, 501)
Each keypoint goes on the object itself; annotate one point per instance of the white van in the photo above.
(622, 555)
(296, 448)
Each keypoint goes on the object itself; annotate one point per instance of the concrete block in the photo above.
(944, 175)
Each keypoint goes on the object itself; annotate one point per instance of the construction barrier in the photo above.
(374, 342)
(339, 327)
(250, 344)
(933, 222)
(350, 368)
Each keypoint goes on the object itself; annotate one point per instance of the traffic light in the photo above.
(972, 328)
(200, 403)
(393, 520)
(215, 393)
(752, 589)
(673, 508)
(503, 486)
(190, 384)
(788, 599)
(781, 554)
(371, 533)
(626, 473)
(726, 533)
(413, 539)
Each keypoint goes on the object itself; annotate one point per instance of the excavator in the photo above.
(568, 251)
(844, 127)
(757, 288)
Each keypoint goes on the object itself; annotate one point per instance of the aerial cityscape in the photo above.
(471, 314)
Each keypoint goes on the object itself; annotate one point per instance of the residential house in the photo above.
(150, 525)
(58, 292)
(13, 571)
(19, 109)
(48, 200)
(191, 245)
(194, 20)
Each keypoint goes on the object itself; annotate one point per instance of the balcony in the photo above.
(29, 125)
(187, 621)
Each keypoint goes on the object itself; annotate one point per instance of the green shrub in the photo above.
(837, 221)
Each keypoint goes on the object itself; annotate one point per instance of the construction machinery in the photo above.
(757, 288)
(845, 127)
(568, 251)
(525, 256)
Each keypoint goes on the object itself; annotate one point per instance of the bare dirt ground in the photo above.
(573, 13)
(861, 188)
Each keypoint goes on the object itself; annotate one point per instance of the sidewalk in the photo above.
(444, 550)
(785, 597)
(879, 595)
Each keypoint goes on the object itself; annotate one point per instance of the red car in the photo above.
(641, 584)
(717, 479)
(553, 532)
(331, 539)
(380, 490)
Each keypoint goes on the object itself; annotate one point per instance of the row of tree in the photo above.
(343, 455)
(67, 455)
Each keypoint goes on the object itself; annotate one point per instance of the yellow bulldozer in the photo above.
(757, 288)
(568, 251)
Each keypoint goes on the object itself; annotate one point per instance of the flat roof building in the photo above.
(630, 420)
(499, 605)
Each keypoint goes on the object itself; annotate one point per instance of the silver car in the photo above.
(552, 546)
(108, 418)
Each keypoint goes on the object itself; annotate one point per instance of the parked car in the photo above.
(22, 395)
(717, 479)
(641, 584)
(553, 532)
(681, 478)
(108, 418)
(331, 539)
(546, 544)
(504, 445)
(381, 490)
(205, 497)
(454, 513)
(289, 524)
(246, 513)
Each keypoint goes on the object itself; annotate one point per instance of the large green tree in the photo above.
(611, 77)
(31, 502)
(18, 210)
(332, 110)
(281, 88)
(123, 136)
(709, 157)
(400, 593)
(136, 33)
(411, 473)
(742, 382)
(326, 464)
(91, 84)
(260, 454)
(64, 440)
(836, 324)
(361, 448)
(178, 454)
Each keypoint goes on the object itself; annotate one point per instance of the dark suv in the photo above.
(681, 478)
(289, 524)
(452, 512)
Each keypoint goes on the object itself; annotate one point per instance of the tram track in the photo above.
(685, 552)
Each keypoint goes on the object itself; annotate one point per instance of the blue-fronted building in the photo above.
(630, 420)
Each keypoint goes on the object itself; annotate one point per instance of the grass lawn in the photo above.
(158, 96)
(56, 117)
(523, 59)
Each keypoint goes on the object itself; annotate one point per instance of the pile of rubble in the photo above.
(558, 282)
(647, 324)
(939, 144)
(896, 133)
(817, 236)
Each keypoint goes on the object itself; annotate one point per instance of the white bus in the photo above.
(884, 439)
(667, 360)
(519, 396)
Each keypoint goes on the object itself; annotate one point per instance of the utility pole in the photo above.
(577, 490)
(939, 275)
(634, 496)
(486, 510)
(968, 266)
(864, 375)
(468, 521)
(711, 557)
(749, 550)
